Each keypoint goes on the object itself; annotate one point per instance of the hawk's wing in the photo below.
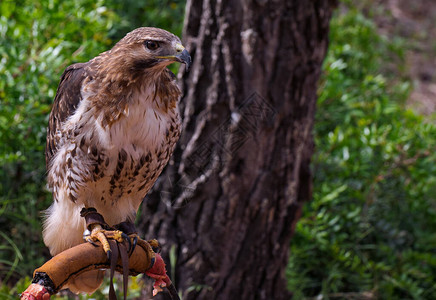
(67, 100)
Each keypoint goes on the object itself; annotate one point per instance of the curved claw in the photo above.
(91, 242)
(126, 238)
(156, 249)
(135, 241)
(109, 255)
(152, 261)
(87, 238)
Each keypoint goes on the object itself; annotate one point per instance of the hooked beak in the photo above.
(185, 58)
(182, 56)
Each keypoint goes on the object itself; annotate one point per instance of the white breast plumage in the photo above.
(118, 163)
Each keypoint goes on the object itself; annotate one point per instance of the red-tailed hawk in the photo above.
(112, 130)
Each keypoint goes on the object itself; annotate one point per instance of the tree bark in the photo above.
(228, 202)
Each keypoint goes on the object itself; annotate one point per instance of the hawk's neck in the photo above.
(113, 93)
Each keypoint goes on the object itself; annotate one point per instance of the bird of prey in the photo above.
(112, 129)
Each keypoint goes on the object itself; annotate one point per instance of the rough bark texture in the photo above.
(228, 202)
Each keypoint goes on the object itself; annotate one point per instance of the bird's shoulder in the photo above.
(67, 99)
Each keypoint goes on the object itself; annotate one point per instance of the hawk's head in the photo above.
(149, 48)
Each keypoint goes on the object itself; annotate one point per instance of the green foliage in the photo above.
(38, 39)
(372, 223)
(167, 14)
(371, 226)
(12, 293)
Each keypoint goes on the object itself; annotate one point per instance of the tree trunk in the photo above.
(227, 204)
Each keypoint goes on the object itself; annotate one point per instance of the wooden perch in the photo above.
(54, 274)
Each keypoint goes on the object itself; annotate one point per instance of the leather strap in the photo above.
(92, 217)
(113, 264)
(125, 263)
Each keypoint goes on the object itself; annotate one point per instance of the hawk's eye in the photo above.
(152, 45)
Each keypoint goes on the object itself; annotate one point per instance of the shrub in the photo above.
(371, 227)
(39, 39)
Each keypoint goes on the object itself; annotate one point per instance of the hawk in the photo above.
(112, 129)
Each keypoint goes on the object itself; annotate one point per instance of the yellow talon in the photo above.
(101, 235)
(115, 235)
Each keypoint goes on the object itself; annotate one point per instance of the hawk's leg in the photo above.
(129, 228)
(99, 230)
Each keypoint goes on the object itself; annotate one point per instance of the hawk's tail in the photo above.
(63, 226)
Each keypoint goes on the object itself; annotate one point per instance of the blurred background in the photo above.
(370, 230)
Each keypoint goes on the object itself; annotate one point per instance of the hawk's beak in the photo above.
(184, 57)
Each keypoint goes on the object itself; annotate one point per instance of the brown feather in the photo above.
(113, 127)
(67, 99)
